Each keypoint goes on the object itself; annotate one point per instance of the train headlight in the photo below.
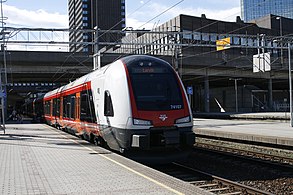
(141, 122)
(183, 120)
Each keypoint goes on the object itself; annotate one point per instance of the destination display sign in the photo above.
(147, 69)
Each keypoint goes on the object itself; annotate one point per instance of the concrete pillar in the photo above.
(270, 89)
(206, 94)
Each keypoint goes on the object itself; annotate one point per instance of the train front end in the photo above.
(161, 115)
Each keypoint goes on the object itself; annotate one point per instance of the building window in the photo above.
(197, 36)
(187, 34)
(84, 5)
(84, 18)
(236, 40)
(84, 12)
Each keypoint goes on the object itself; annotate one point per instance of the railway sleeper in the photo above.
(218, 189)
(208, 185)
(233, 193)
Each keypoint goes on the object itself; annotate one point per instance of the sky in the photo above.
(139, 13)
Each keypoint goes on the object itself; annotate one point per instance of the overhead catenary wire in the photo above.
(203, 27)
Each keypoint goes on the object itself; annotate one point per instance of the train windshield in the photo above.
(155, 86)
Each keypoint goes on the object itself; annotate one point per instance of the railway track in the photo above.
(270, 155)
(263, 174)
(208, 182)
(234, 170)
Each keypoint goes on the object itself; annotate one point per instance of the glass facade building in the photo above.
(88, 14)
(254, 9)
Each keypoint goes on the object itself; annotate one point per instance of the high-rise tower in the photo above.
(88, 14)
(254, 9)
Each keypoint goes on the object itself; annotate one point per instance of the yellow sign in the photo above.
(223, 44)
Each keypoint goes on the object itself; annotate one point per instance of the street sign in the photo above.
(223, 44)
(261, 62)
(189, 90)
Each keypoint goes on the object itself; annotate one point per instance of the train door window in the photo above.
(87, 112)
(108, 106)
(72, 106)
(77, 107)
(66, 107)
(83, 106)
(47, 107)
(56, 107)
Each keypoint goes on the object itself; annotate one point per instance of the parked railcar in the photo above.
(135, 103)
(34, 108)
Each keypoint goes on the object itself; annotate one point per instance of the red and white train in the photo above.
(135, 103)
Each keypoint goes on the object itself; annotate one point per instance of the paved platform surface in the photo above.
(268, 131)
(37, 159)
(281, 116)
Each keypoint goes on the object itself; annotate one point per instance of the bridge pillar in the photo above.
(270, 89)
(206, 94)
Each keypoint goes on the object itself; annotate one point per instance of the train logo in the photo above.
(163, 117)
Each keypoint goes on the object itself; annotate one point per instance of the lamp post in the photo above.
(236, 92)
(281, 35)
(290, 82)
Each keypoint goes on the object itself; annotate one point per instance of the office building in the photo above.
(88, 14)
(254, 9)
(189, 44)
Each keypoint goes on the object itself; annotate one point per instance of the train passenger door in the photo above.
(77, 112)
(77, 107)
(98, 95)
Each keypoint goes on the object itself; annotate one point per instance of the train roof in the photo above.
(79, 81)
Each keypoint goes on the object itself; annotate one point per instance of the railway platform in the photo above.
(267, 128)
(38, 159)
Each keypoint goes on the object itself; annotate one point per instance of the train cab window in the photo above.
(108, 106)
(87, 111)
(155, 86)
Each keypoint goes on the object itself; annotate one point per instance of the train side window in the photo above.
(66, 107)
(108, 106)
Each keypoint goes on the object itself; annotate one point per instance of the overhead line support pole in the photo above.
(290, 83)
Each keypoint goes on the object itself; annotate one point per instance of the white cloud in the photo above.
(225, 15)
(39, 18)
(137, 24)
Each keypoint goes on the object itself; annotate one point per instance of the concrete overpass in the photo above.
(31, 72)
